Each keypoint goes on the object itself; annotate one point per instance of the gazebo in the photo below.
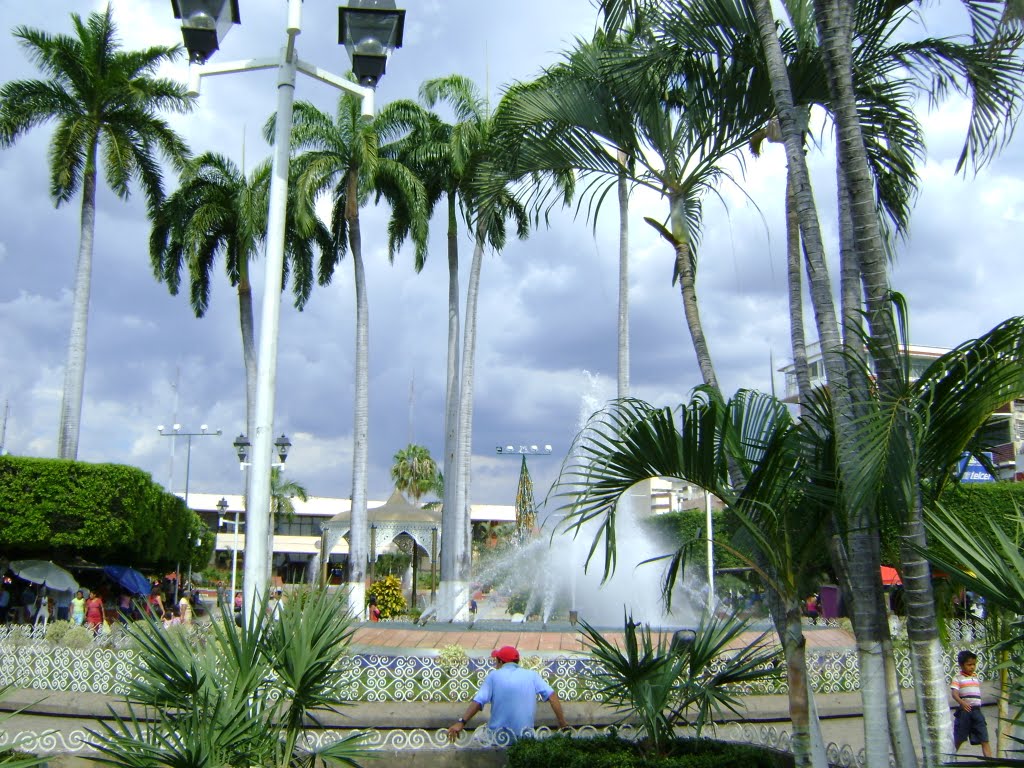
(387, 522)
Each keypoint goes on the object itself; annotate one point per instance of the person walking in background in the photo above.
(512, 693)
(276, 604)
(155, 603)
(968, 721)
(5, 603)
(94, 614)
(185, 610)
(62, 604)
(28, 603)
(78, 608)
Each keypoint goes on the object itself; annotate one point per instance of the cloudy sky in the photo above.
(547, 307)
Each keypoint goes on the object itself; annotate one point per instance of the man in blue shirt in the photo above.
(512, 693)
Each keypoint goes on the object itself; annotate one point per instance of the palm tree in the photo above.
(218, 211)
(444, 157)
(103, 100)
(342, 157)
(414, 471)
(566, 120)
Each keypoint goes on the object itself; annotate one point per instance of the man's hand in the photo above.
(455, 730)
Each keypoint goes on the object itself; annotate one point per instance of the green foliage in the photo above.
(75, 637)
(244, 696)
(388, 592)
(517, 602)
(55, 630)
(100, 511)
(657, 685)
(453, 657)
(612, 752)
(415, 472)
(690, 525)
(392, 564)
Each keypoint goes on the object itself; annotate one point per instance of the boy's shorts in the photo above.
(969, 726)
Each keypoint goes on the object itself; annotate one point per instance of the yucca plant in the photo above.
(241, 698)
(660, 684)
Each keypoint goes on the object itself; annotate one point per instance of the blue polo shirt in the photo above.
(512, 693)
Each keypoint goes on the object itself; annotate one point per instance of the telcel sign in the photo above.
(973, 471)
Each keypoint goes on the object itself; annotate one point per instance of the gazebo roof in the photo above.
(395, 510)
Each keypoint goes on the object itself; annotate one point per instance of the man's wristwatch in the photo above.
(462, 720)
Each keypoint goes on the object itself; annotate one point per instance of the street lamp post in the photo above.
(222, 507)
(242, 447)
(372, 28)
(175, 431)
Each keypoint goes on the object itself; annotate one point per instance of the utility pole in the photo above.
(3, 427)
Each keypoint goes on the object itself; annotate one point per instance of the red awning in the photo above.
(890, 578)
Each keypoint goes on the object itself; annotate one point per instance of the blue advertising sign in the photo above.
(973, 471)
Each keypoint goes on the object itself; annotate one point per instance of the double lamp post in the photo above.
(370, 30)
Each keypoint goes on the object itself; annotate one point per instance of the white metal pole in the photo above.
(258, 511)
(234, 561)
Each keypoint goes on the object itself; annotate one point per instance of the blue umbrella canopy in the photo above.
(128, 578)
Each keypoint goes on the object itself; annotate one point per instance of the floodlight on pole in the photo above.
(287, 64)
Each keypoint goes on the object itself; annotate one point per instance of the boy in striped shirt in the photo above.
(968, 722)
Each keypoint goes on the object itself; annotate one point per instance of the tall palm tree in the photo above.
(218, 211)
(414, 471)
(444, 156)
(106, 103)
(341, 157)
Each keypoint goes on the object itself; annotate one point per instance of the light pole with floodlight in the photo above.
(370, 30)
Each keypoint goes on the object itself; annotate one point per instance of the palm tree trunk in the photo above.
(450, 521)
(459, 592)
(688, 289)
(358, 552)
(74, 366)
(899, 729)
(796, 298)
(623, 366)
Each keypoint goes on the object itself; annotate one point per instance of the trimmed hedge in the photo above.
(612, 752)
(972, 503)
(56, 507)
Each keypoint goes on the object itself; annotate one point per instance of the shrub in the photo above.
(20, 635)
(77, 638)
(452, 657)
(517, 602)
(388, 592)
(55, 631)
(612, 752)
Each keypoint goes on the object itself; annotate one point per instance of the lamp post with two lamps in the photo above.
(370, 30)
(222, 507)
(242, 448)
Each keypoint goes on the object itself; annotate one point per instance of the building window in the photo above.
(300, 525)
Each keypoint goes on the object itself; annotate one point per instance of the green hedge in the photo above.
(972, 503)
(59, 508)
(610, 752)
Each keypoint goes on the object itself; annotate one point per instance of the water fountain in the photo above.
(548, 575)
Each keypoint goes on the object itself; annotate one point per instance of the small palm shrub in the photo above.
(20, 636)
(246, 696)
(388, 592)
(657, 685)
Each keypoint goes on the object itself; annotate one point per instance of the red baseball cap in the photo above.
(506, 654)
